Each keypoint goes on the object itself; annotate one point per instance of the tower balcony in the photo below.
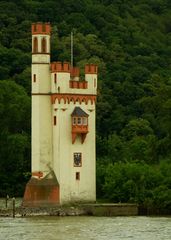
(80, 129)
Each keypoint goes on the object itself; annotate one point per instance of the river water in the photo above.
(85, 228)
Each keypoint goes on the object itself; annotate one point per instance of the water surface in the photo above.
(85, 228)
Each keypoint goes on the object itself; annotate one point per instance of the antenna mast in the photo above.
(71, 50)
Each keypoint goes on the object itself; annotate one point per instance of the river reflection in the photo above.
(85, 228)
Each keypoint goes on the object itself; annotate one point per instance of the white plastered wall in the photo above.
(41, 114)
(41, 133)
(42, 84)
(63, 150)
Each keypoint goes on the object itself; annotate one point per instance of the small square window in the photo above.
(77, 176)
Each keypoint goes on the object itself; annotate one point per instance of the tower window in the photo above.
(35, 45)
(34, 77)
(77, 176)
(55, 78)
(77, 159)
(54, 120)
(43, 45)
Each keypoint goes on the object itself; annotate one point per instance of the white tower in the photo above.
(41, 104)
(63, 128)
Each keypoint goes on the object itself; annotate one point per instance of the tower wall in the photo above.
(72, 190)
(41, 103)
(41, 190)
(41, 134)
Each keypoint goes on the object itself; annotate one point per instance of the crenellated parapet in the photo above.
(91, 69)
(41, 28)
(60, 67)
(65, 79)
(41, 43)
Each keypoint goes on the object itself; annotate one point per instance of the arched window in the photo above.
(43, 45)
(35, 45)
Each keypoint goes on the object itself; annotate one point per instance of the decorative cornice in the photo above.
(69, 97)
(37, 94)
(39, 63)
(39, 53)
(73, 98)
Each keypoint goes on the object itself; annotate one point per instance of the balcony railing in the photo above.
(80, 128)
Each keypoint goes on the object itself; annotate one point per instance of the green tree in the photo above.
(14, 138)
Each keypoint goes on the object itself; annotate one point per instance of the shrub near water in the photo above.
(138, 183)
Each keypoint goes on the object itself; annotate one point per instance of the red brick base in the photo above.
(41, 192)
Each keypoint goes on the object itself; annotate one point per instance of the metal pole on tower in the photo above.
(71, 50)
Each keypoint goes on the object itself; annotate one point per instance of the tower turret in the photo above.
(41, 42)
(63, 128)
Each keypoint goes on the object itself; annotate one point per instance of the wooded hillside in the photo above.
(131, 43)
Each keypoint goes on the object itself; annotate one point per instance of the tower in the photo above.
(63, 128)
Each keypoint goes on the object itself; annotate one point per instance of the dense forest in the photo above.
(131, 43)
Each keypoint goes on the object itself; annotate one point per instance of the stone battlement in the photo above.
(60, 67)
(41, 28)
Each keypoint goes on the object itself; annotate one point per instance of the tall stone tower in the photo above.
(63, 128)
